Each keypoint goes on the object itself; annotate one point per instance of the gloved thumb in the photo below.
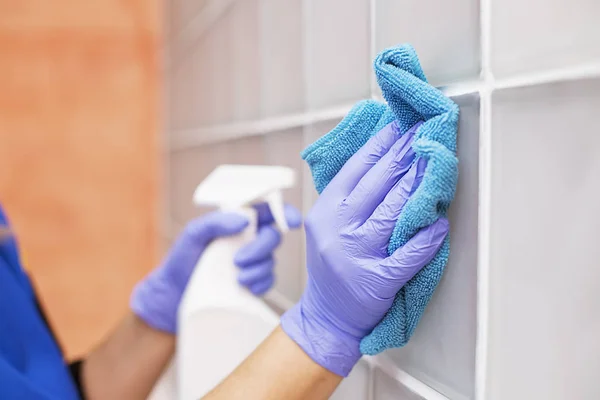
(409, 259)
(216, 224)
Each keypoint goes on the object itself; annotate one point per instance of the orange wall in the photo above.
(79, 157)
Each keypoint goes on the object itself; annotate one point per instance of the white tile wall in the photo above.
(187, 168)
(282, 90)
(514, 316)
(444, 33)
(544, 319)
(246, 60)
(338, 55)
(214, 68)
(182, 104)
(534, 35)
(442, 351)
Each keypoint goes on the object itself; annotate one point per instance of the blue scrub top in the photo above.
(31, 362)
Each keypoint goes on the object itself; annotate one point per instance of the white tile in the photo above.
(248, 150)
(356, 386)
(441, 352)
(545, 218)
(283, 148)
(338, 54)
(444, 33)
(245, 73)
(211, 76)
(282, 77)
(189, 167)
(531, 35)
(387, 388)
(181, 94)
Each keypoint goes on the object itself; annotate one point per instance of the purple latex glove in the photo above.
(352, 281)
(156, 298)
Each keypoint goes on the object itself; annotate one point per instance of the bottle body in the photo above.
(220, 322)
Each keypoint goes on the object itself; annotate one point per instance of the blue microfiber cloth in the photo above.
(411, 100)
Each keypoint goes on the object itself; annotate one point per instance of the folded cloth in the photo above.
(411, 102)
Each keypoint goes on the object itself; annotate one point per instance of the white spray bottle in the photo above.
(220, 322)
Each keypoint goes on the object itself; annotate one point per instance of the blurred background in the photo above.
(80, 156)
(111, 112)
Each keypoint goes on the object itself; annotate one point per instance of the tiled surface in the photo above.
(282, 79)
(245, 74)
(267, 58)
(183, 106)
(535, 35)
(283, 148)
(338, 52)
(544, 319)
(79, 160)
(442, 351)
(189, 167)
(356, 386)
(387, 388)
(211, 82)
(444, 33)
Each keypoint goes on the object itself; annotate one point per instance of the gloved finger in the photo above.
(364, 159)
(379, 180)
(409, 259)
(257, 272)
(210, 226)
(292, 215)
(266, 241)
(262, 287)
(378, 228)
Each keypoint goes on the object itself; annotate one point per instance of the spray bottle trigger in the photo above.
(275, 202)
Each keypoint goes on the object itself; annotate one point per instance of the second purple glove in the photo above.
(156, 298)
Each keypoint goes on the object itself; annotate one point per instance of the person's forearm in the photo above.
(128, 363)
(277, 369)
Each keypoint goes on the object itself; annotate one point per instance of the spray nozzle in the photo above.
(275, 202)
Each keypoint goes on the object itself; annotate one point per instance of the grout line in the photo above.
(198, 137)
(462, 88)
(484, 211)
(486, 40)
(410, 382)
(372, 46)
(590, 70)
(484, 232)
(188, 138)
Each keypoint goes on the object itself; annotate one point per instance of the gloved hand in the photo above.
(351, 279)
(156, 298)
